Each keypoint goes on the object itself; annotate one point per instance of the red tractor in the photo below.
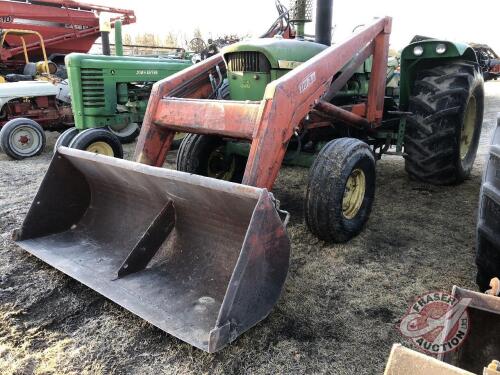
(65, 26)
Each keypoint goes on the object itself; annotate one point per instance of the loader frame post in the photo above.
(376, 91)
(179, 103)
(154, 141)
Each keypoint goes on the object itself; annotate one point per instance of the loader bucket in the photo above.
(201, 259)
(481, 345)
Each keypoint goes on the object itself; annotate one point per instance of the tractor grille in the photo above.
(247, 62)
(92, 88)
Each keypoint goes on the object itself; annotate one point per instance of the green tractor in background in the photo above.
(109, 96)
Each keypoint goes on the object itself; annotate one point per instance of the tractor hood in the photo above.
(281, 53)
(13, 90)
(452, 50)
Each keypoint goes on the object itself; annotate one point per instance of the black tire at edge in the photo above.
(488, 234)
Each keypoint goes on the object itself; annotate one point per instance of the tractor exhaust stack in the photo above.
(199, 258)
(323, 29)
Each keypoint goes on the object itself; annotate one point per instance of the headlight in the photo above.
(418, 50)
(441, 48)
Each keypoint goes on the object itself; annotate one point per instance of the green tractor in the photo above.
(432, 116)
(442, 87)
(109, 96)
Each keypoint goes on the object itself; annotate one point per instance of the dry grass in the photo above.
(337, 313)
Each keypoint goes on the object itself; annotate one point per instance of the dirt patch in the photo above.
(337, 314)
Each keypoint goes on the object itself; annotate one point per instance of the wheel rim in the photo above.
(101, 148)
(25, 140)
(468, 127)
(218, 165)
(179, 136)
(354, 193)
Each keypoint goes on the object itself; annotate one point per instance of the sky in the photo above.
(465, 21)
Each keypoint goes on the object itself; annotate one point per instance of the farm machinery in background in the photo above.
(489, 61)
(31, 102)
(65, 26)
(34, 39)
(204, 255)
(109, 95)
(106, 92)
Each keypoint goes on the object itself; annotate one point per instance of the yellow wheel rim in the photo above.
(178, 136)
(101, 148)
(468, 127)
(354, 194)
(218, 166)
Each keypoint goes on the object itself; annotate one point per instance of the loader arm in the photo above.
(270, 123)
(154, 141)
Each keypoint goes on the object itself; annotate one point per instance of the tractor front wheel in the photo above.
(341, 190)
(442, 135)
(22, 138)
(125, 133)
(65, 138)
(98, 141)
(205, 155)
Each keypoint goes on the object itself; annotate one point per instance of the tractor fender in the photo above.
(429, 58)
(23, 89)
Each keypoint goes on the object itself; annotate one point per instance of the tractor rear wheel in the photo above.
(98, 141)
(488, 235)
(65, 138)
(22, 138)
(176, 143)
(443, 133)
(205, 155)
(125, 133)
(341, 190)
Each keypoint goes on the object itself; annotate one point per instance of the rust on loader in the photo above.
(201, 259)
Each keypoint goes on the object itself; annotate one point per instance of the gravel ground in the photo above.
(337, 313)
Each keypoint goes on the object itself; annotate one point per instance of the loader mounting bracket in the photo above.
(150, 242)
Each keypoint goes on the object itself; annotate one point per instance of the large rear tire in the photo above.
(22, 138)
(443, 133)
(204, 155)
(488, 233)
(176, 143)
(341, 190)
